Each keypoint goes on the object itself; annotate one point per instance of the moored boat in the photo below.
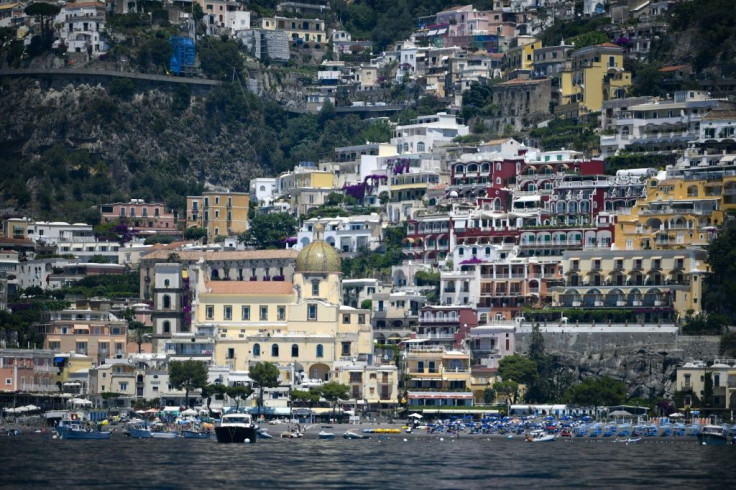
(326, 434)
(236, 428)
(195, 434)
(72, 426)
(354, 435)
(712, 435)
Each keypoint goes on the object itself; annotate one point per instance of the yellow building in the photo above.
(300, 326)
(595, 74)
(438, 377)
(521, 57)
(653, 282)
(310, 187)
(302, 33)
(221, 213)
(675, 214)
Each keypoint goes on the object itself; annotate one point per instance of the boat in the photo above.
(540, 436)
(263, 434)
(195, 434)
(712, 435)
(145, 431)
(354, 435)
(71, 426)
(326, 434)
(236, 428)
(291, 435)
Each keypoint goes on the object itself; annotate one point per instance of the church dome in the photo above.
(318, 256)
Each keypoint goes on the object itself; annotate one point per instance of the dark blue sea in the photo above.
(36, 461)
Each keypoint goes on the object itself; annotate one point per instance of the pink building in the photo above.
(140, 215)
(27, 370)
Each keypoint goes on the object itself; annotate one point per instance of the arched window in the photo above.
(167, 326)
(256, 350)
(320, 350)
(294, 350)
(167, 301)
(421, 146)
(166, 283)
(275, 350)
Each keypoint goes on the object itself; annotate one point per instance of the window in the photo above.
(320, 350)
(123, 386)
(167, 327)
(281, 313)
(361, 319)
(256, 350)
(264, 313)
(312, 312)
(294, 350)
(345, 319)
(275, 350)
(315, 288)
(167, 302)
(231, 353)
(210, 312)
(228, 312)
(82, 348)
(345, 349)
(356, 377)
(245, 313)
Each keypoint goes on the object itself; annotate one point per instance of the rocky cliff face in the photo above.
(143, 129)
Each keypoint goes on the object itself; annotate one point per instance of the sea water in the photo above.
(400, 461)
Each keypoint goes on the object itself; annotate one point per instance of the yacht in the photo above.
(236, 427)
(712, 435)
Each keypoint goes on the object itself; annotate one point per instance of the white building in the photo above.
(346, 234)
(263, 190)
(427, 132)
(82, 28)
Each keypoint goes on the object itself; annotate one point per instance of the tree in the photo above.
(187, 375)
(138, 333)
(597, 391)
(720, 284)
(488, 395)
(708, 390)
(517, 368)
(303, 397)
(238, 393)
(264, 375)
(219, 58)
(334, 392)
(536, 345)
(509, 389)
(727, 346)
(195, 233)
(44, 14)
(269, 230)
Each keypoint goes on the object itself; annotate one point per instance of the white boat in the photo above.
(145, 431)
(236, 428)
(354, 435)
(540, 436)
(326, 434)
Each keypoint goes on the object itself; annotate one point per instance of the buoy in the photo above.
(247, 440)
(442, 438)
(405, 439)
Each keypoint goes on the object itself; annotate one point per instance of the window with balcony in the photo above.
(245, 313)
(227, 312)
(281, 313)
(263, 313)
(209, 312)
(345, 349)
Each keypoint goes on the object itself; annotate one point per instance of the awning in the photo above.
(72, 383)
(441, 31)
(528, 198)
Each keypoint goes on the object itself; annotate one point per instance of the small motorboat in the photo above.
(263, 434)
(354, 435)
(326, 434)
(540, 436)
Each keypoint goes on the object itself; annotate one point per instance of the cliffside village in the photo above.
(509, 228)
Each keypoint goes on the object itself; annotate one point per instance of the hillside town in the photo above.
(491, 242)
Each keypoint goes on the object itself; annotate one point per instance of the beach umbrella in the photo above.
(620, 413)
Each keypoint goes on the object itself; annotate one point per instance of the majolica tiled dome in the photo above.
(318, 256)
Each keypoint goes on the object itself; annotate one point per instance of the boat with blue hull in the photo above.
(712, 435)
(73, 427)
(145, 431)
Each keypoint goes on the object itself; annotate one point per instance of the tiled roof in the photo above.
(666, 69)
(249, 287)
(608, 45)
(520, 81)
(496, 142)
(717, 114)
(195, 255)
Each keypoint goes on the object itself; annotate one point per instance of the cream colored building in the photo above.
(691, 383)
(300, 326)
(654, 282)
